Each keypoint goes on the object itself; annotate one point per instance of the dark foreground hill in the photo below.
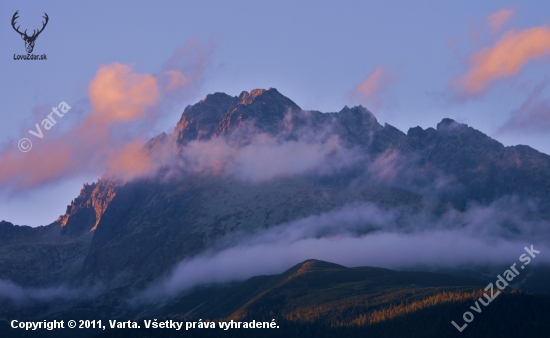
(321, 299)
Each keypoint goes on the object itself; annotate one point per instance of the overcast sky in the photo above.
(411, 63)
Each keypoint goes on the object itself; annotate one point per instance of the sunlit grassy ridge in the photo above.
(320, 299)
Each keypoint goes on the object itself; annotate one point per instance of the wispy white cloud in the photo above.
(533, 116)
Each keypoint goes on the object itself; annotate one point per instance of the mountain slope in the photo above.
(321, 299)
(140, 236)
(317, 291)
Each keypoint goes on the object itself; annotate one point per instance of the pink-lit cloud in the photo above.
(118, 94)
(123, 106)
(176, 80)
(498, 19)
(117, 97)
(369, 91)
(504, 59)
(130, 160)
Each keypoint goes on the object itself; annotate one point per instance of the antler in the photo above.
(34, 34)
(15, 17)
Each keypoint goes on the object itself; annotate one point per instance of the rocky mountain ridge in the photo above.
(130, 233)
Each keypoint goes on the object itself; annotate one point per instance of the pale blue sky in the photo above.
(314, 52)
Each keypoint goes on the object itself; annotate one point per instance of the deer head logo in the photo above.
(29, 40)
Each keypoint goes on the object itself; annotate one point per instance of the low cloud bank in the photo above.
(366, 235)
(21, 295)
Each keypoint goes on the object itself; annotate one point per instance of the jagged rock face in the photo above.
(486, 169)
(271, 112)
(200, 121)
(220, 113)
(85, 211)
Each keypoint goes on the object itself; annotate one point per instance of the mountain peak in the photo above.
(219, 113)
(248, 98)
(314, 265)
(448, 124)
(265, 96)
